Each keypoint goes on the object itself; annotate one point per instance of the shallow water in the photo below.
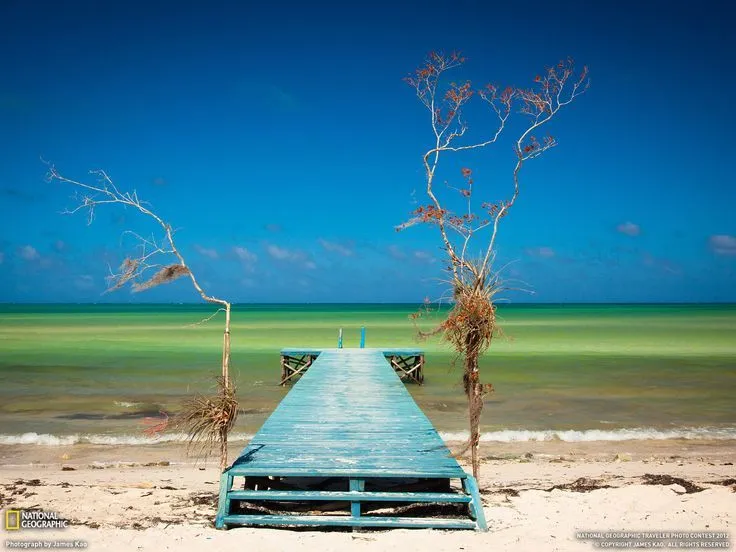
(91, 373)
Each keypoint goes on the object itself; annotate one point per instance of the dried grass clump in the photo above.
(128, 270)
(471, 325)
(207, 420)
(164, 276)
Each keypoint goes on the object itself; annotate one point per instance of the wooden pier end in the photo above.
(408, 363)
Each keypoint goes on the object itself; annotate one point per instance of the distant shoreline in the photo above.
(413, 304)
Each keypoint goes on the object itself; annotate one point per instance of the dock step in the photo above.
(349, 496)
(348, 521)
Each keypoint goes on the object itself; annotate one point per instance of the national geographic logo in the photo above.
(12, 520)
(15, 520)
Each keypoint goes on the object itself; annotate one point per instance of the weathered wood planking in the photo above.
(343, 413)
(349, 416)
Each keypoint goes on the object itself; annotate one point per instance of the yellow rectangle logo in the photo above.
(12, 520)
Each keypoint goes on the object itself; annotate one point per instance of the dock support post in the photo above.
(362, 337)
(339, 339)
(292, 366)
(470, 486)
(223, 507)
(356, 485)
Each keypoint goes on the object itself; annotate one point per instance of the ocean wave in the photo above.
(503, 436)
(49, 440)
(576, 436)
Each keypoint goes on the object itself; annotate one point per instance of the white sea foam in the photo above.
(46, 439)
(39, 439)
(126, 404)
(504, 436)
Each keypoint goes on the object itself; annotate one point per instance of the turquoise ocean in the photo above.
(92, 373)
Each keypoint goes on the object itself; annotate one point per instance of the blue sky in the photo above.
(284, 146)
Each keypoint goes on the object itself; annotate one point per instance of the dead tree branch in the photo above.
(134, 270)
(471, 323)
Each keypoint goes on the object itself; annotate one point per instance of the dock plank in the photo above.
(348, 496)
(346, 521)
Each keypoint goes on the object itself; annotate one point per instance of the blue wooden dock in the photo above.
(348, 438)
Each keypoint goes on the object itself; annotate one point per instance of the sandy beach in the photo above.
(537, 496)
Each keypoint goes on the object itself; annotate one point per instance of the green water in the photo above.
(99, 369)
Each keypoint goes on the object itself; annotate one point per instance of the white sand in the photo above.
(124, 507)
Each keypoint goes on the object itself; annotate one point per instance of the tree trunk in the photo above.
(225, 385)
(226, 349)
(223, 449)
(473, 390)
(475, 406)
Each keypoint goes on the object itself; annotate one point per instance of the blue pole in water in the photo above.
(362, 337)
(339, 339)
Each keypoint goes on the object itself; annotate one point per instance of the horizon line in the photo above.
(258, 303)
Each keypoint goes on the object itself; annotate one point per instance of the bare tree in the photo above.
(206, 419)
(471, 323)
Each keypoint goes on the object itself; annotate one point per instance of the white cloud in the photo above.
(29, 253)
(280, 253)
(417, 255)
(543, 252)
(292, 255)
(205, 252)
(396, 252)
(629, 228)
(662, 264)
(424, 257)
(248, 258)
(723, 244)
(336, 248)
(244, 254)
(84, 282)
